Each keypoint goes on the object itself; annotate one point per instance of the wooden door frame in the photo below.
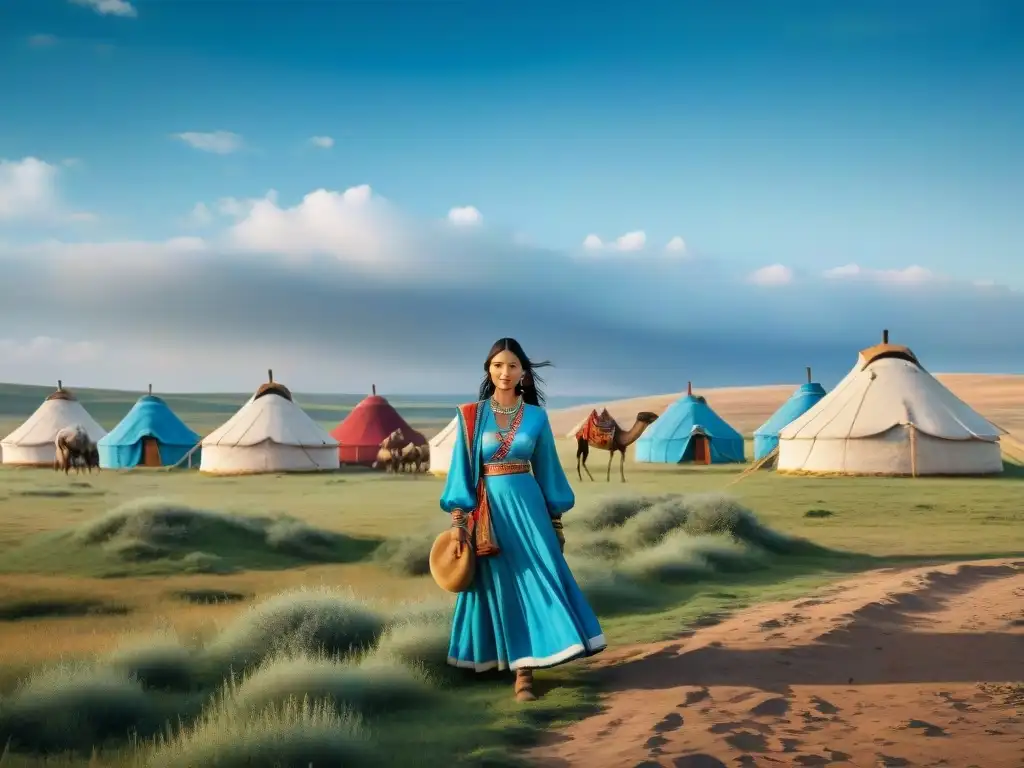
(704, 457)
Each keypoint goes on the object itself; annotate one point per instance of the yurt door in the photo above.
(150, 452)
(701, 450)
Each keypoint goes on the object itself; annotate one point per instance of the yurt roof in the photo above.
(271, 387)
(61, 394)
(804, 398)
(52, 415)
(686, 415)
(886, 350)
(151, 417)
(271, 416)
(371, 421)
(888, 387)
(446, 434)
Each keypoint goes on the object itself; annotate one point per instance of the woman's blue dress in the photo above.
(524, 609)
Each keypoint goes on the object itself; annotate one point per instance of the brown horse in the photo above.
(604, 433)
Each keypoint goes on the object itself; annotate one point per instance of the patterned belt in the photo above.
(506, 468)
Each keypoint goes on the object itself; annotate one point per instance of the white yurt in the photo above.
(32, 444)
(889, 416)
(270, 433)
(441, 446)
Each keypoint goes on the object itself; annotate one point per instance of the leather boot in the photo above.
(524, 685)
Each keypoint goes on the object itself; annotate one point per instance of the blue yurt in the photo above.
(690, 431)
(151, 435)
(766, 437)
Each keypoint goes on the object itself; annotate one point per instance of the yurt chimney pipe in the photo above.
(270, 375)
(808, 374)
(689, 388)
(60, 385)
(151, 389)
(885, 336)
(373, 388)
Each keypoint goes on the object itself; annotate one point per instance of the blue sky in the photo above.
(801, 137)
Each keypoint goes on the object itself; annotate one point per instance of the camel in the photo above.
(74, 448)
(410, 458)
(394, 442)
(388, 459)
(603, 432)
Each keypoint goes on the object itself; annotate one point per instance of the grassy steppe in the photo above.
(160, 618)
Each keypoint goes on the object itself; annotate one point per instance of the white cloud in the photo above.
(83, 217)
(353, 226)
(339, 283)
(676, 245)
(217, 142)
(42, 40)
(632, 241)
(908, 275)
(465, 216)
(45, 349)
(323, 142)
(109, 7)
(28, 189)
(774, 274)
(629, 242)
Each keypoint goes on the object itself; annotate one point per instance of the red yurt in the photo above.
(360, 434)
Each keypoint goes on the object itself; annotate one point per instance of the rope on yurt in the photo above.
(773, 454)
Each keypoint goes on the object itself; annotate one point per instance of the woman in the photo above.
(524, 610)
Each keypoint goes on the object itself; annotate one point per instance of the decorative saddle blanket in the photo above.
(598, 430)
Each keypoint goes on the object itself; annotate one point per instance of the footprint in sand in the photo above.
(655, 743)
(891, 761)
(927, 729)
(692, 697)
(824, 707)
(697, 761)
(790, 745)
(670, 722)
(747, 741)
(774, 707)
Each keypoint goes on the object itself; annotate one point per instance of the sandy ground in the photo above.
(999, 398)
(892, 668)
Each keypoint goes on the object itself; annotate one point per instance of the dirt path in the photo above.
(915, 667)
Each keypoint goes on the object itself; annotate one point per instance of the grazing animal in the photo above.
(409, 457)
(75, 449)
(387, 459)
(606, 435)
(394, 441)
(424, 457)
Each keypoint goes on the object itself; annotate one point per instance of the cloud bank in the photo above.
(341, 289)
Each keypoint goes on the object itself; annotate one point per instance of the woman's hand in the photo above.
(461, 536)
(459, 532)
(556, 523)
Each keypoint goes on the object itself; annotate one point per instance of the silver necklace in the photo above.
(506, 410)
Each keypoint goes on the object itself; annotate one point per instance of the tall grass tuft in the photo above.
(76, 709)
(367, 686)
(409, 555)
(296, 733)
(319, 620)
(158, 662)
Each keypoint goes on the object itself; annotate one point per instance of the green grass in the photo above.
(152, 537)
(336, 658)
